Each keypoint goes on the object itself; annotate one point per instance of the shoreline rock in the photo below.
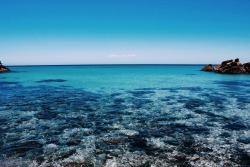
(229, 67)
(3, 68)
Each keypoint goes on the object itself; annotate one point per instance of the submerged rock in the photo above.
(229, 67)
(3, 68)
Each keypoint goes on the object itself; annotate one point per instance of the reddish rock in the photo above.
(208, 67)
(229, 67)
(234, 70)
(3, 68)
(247, 67)
(224, 63)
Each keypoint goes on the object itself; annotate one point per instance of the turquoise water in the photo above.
(123, 115)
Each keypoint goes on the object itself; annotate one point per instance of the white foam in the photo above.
(156, 142)
(128, 132)
(111, 163)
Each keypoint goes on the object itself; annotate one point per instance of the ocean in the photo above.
(123, 115)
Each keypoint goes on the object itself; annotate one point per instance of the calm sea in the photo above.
(123, 115)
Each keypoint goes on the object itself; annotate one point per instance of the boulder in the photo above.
(225, 63)
(247, 67)
(208, 67)
(3, 68)
(235, 70)
(229, 67)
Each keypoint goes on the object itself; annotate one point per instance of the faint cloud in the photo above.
(122, 55)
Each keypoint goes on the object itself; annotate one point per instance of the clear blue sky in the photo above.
(123, 31)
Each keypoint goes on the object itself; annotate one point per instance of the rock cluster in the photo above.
(229, 67)
(3, 68)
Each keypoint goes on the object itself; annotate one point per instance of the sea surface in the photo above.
(123, 115)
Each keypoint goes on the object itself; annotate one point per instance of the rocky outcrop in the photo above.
(229, 67)
(208, 67)
(247, 67)
(3, 68)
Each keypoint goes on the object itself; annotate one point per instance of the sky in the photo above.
(123, 31)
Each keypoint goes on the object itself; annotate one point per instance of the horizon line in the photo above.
(115, 64)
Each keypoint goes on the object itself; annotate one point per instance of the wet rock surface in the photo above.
(229, 67)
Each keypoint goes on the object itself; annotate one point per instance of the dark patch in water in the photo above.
(191, 74)
(115, 94)
(225, 135)
(210, 114)
(164, 88)
(245, 140)
(198, 130)
(217, 101)
(24, 147)
(144, 89)
(166, 99)
(243, 99)
(46, 115)
(245, 83)
(175, 90)
(9, 83)
(73, 142)
(140, 93)
(51, 80)
(140, 103)
(243, 157)
(236, 126)
(140, 143)
(194, 103)
(118, 101)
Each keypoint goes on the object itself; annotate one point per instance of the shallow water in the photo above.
(123, 115)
